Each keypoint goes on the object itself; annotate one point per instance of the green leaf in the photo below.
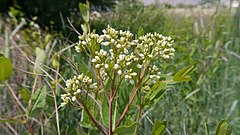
(158, 91)
(40, 58)
(84, 28)
(105, 112)
(223, 128)
(155, 94)
(40, 100)
(55, 61)
(84, 9)
(182, 75)
(159, 128)
(5, 68)
(125, 130)
(25, 94)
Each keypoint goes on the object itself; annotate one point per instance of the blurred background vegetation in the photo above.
(206, 36)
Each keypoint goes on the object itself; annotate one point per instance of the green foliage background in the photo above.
(210, 42)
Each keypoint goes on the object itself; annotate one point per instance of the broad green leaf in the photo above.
(25, 94)
(125, 130)
(84, 9)
(182, 75)
(40, 58)
(5, 68)
(159, 128)
(39, 99)
(223, 128)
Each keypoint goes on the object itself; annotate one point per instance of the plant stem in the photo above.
(110, 118)
(130, 101)
(32, 93)
(139, 84)
(55, 102)
(110, 102)
(104, 88)
(100, 127)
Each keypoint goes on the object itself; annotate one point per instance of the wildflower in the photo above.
(117, 51)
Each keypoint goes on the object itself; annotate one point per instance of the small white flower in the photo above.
(121, 57)
(105, 43)
(133, 74)
(150, 55)
(164, 43)
(128, 77)
(94, 60)
(68, 84)
(119, 72)
(165, 56)
(125, 51)
(89, 81)
(128, 63)
(63, 104)
(103, 52)
(106, 66)
(118, 46)
(84, 43)
(78, 91)
(155, 68)
(112, 40)
(97, 58)
(139, 66)
(169, 45)
(141, 55)
(135, 59)
(172, 49)
(97, 66)
(73, 98)
(116, 66)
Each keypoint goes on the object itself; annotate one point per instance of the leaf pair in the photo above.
(183, 74)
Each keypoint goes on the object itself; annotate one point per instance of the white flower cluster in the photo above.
(117, 52)
(155, 46)
(75, 87)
